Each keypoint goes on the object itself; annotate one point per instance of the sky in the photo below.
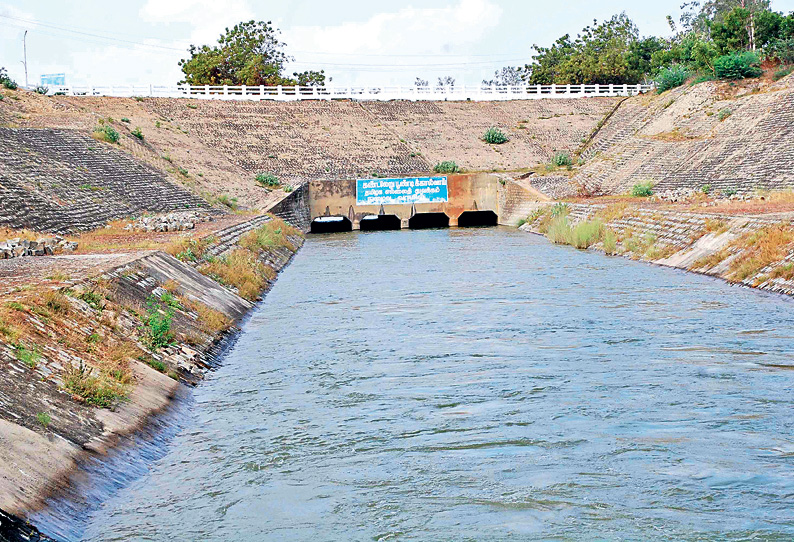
(356, 42)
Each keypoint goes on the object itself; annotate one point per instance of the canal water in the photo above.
(482, 385)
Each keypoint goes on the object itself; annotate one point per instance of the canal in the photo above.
(482, 384)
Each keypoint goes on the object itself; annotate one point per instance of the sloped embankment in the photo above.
(729, 137)
(87, 365)
(749, 250)
(64, 181)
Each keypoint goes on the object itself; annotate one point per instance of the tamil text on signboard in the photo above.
(401, 191)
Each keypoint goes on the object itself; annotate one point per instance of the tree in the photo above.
(507, 76)
(248, 54)
(600, 55)
(447, 81)
(309, 79)
(421, 82)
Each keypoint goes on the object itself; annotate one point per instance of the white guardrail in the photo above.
(291, 94)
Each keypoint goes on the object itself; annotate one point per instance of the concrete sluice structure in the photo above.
(473, 200)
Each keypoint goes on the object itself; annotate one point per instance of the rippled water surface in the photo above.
(482, 385)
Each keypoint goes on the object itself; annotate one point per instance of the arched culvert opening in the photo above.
(422, 221)
(471, 219)
(331, 224)
(380, 223)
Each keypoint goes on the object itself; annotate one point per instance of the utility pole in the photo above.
(25, 54)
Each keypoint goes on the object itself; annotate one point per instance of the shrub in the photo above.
(2, 97)
(781, 73)
(94, 390)
(6, 81)
(738, 65)
(782, 50)
(137, 133)
(288, 189)
(446, 167)
(106, 133)
(184, 172)
(671, 77)
(562, 159)
(642, 190)
(495, 136)
(41, 90)
(125, 119)
(241, 270)
(724, 114)
(706, 189)
(158, 324)
(44, 419)
(728, 192)
(267, 180)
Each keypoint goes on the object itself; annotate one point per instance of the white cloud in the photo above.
(206, 17)
(408, 31)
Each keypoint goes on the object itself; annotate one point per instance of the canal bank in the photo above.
(114, 316)
(489, 385)
(756, 251)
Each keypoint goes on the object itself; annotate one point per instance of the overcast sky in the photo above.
(388, 42)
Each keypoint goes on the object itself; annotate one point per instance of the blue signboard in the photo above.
(400, 191)
(54, 79)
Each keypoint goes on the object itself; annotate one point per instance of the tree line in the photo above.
(711, 39)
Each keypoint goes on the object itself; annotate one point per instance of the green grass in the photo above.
(44, 419)
(137, 133)
(446, 166)
(562, 159)
(642, 190)
(29, 357)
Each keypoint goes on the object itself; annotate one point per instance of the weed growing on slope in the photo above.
(642, 190)
(495, 136)
(95, 390)
(446, 166)
(267, 180)
(158, 324)
(44, 419)
(760, 248)
(107, 133)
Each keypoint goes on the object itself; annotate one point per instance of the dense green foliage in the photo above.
(250, 53)
(738, 65)
(642, 190)
(671, 77)
(715, 39)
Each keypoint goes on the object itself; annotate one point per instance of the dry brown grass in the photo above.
(674, 135)
(785, 272)
(716, 226)
(760, 248)
(615, 211)
(712, 260)
(241, 270)
(210, 320)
